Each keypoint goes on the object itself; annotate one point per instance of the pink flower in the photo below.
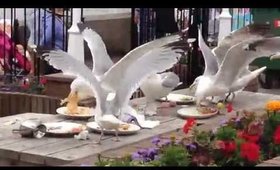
(43, 80)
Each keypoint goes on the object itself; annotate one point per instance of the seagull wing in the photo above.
(155, 61)
(169, 80)
(112, 77)
(101, 60)
(249, 32)
(69, 65)
(211, 61)
(241, 55)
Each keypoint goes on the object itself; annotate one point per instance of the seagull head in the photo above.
(193, 86)
(82, 90)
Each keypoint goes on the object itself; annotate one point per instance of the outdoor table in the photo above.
(15, 150)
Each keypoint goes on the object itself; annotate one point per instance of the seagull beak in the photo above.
(275, 56)
(192, 86)
(179, 83)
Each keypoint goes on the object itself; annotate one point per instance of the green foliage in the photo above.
(124, 161)
(174, 156)
(202, 137)
(226, 133)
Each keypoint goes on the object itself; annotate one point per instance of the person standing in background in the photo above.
(48, 31)
(53, 36)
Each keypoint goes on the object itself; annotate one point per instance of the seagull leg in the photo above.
(99, 141)
(233, 96)
(226, 99)
(212, 98)
(145, 108)
(117, 139)
(151, 109)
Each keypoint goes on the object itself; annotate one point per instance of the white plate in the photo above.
(179, 98)
(131, 130)
(63, 128)
(192, 112)
(63, 111)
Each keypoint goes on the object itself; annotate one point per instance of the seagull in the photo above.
(123, 78)
(157, 86)
(214, 58)
(101, 63)
(230, 76)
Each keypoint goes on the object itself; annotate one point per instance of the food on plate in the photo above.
(124, 127)
(206, 110)
(185, 98)
(72, 103)
(83, 111)
(78, 129)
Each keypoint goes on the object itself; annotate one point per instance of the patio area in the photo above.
(106, 79)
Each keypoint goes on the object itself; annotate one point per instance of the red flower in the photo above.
(25, 86)
(250, 151)
(230, 147)
(229, 107)
(276, 136)
(188, 125)
(250, 138)
(43, 80)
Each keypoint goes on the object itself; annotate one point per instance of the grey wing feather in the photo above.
(242, 54)
(211, 61)
(249, 32)
(155, 61)
(101, 60)
(119, 69)
(170, 80)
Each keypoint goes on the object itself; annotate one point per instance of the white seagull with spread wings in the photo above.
(102, 63)
(123, 78)
(226, 66)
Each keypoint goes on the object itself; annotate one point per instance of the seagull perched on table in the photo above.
(123, 78)
(226, 66)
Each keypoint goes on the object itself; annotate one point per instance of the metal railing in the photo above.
(25, 29)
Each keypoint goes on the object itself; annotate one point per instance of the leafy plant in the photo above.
(244, 140)
(174, 156)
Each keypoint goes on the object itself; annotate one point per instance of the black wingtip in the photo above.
(181, 44)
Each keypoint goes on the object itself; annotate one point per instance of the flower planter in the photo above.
(245, 139)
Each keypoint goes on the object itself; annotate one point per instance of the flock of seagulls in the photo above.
(226, 71)
(120, 79)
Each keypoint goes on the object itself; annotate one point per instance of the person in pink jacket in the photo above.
(9, 53)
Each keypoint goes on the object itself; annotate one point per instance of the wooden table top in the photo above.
(61, 151)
